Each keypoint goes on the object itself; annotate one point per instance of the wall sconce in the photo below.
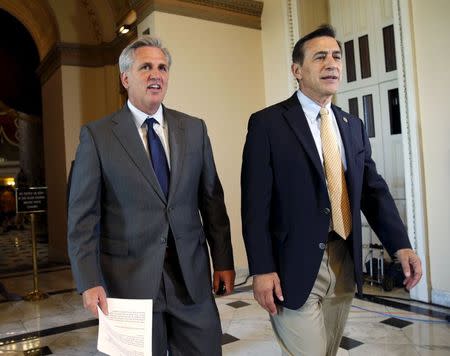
(124, 29)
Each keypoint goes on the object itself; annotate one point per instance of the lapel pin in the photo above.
(345, 120)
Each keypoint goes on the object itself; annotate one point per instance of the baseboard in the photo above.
(440, 297)
(241, 275)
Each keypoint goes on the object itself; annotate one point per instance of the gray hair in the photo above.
(126, 58)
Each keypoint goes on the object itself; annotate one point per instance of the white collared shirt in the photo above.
(161, 130)
(311, 110)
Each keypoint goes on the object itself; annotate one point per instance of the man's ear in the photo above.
(296, 70)
(124, 79)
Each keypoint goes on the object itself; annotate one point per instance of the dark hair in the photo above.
(298, 54)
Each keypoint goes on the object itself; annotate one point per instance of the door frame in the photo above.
(414, 185)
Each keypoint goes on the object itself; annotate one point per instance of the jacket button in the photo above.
(163, 240)
(326, 211)
(322, 246)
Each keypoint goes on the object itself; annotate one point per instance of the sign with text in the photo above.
(31, 200)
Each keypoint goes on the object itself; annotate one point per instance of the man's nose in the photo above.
(330, 62)
(154, 75)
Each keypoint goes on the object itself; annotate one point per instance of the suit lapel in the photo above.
(344, 129)
(128, 136)
(177, 147)
(296, 119)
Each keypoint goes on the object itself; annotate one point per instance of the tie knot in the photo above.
(323, 112)
(150, 121)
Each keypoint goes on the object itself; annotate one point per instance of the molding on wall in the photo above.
(245, 13)
(80, 55)
(440, 297)
(415, 201)
(249, 7)
(292, 30)
(93, 19)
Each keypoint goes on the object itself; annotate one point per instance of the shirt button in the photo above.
(322, 246)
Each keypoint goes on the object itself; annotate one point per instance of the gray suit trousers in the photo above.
(180, 326)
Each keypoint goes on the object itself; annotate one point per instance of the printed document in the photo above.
(127, 329)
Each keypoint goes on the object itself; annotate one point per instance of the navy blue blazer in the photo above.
(285, 204)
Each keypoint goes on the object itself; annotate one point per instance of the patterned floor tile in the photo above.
(238, 304)
(348, 343)
(398, 323)
(227, 339)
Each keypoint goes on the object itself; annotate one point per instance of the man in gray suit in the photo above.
(145, 198)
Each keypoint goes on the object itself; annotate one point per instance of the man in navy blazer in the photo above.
(144, 202)
(304, 273)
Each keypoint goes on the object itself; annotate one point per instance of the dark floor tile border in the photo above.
(243, 289)
(62, 291)
(40, 351)
(28, 269)
(403, 306)
(55, 292)
(15, 274)
(383, 301)
(226, 338)
(47, 332)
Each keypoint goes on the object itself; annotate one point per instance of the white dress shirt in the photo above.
(311, 110)
(161, 129)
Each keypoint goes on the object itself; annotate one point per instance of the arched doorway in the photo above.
(21, 143)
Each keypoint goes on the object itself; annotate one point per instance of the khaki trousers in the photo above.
(316, 328)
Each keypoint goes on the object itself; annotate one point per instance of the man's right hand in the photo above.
(93, 297)
(264, 286)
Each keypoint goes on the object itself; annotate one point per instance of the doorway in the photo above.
(21, 144)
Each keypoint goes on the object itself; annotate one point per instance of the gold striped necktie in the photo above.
(334, 173)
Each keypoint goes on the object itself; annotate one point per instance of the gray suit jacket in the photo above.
(119, 218)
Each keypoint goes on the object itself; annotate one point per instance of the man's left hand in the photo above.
(411, 265)
(227, 277)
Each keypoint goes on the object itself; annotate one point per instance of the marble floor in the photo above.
(379, 324)
(16, 251)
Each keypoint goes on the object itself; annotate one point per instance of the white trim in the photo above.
(241, 275)
(415, 202)
(292, 32)
(440, 297)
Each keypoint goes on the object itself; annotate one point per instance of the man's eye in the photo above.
(163, 68)
(146, 67)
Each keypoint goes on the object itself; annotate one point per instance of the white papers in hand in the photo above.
(127, 329)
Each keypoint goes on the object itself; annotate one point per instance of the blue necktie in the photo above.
(158, 156)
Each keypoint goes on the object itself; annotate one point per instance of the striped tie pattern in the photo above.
(158, 156)
(334, 173)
